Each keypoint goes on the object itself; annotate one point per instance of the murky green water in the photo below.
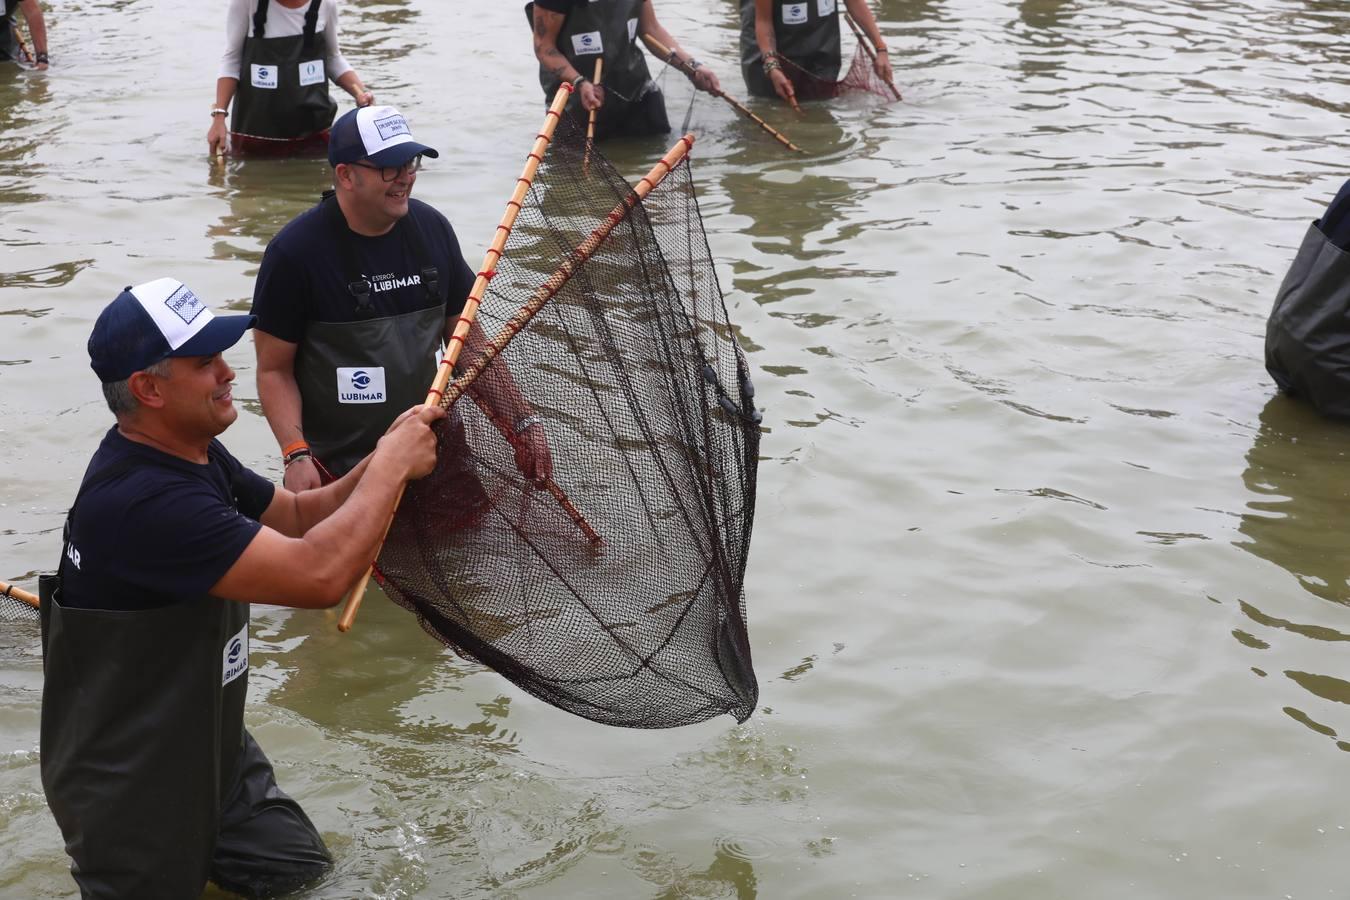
(1048, 595)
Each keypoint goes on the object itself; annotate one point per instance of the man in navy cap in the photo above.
(355, 298)
(147, 767)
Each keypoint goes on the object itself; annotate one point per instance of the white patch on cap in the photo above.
(382, 127)
(178, 313)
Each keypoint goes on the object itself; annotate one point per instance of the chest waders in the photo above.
(283, 86)
(1308, 332)
(805, 31)
(10, 49)
(608, 28)
(356, 377)
(142, 733)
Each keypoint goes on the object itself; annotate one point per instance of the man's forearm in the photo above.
(37, 25)
(313, 507)
(350, 535)
(279, 395)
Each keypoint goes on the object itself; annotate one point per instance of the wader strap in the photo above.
(260, 20)
(431, 276)
(357, 284)
(311, 21)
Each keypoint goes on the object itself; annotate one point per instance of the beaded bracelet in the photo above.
(296, 457)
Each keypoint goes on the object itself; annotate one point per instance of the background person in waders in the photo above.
(355, 298)
(279, 56)
(805, 34)
(155, 783)
(570, 35)
(11, 48)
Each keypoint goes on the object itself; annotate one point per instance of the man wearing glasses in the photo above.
(354, 300)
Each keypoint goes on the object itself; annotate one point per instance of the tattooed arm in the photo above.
(547, 25)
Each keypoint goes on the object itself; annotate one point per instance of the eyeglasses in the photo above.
(389, 173)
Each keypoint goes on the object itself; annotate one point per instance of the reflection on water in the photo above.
(1299, 464)
(1008, 337)
(1297, 470)
(263, 195)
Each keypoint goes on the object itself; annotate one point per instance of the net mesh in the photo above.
(860, 77)
(646, 401)
(13, 609)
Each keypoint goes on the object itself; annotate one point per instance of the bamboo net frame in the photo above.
(9, 590)
(470, 311)
(668, 56)
(564, 272)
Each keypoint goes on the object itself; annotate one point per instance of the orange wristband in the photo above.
(294, 446)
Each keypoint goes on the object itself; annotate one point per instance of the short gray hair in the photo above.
(118, 393)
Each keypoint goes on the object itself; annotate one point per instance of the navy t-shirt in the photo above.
(161, 530)
(303, 278)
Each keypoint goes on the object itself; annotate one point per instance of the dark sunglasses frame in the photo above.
(389, 173)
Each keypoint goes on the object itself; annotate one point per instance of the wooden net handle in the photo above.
(590, 122)
(470, 311)
(9, 590)
(660, 50)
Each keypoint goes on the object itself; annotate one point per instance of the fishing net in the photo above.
(861, 77)
(615, 594)
(14, 609)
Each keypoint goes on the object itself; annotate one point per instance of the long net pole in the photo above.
(470, 311)
(866, 44)
(564, 272)
(590, 120)
(9, 590)
(668, 56)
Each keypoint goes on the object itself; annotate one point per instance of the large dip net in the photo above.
(616, 593)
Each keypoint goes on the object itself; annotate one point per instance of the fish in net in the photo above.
(616, 593)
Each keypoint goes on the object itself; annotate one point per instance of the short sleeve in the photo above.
(179, 540)
(251, 491)
(278, 294)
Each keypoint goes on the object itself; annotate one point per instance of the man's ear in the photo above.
(145, 388)
(342, 177)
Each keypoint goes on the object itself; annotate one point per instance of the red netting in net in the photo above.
(861, 76)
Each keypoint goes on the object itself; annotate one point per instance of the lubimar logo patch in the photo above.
(184, 304)
(392, 126)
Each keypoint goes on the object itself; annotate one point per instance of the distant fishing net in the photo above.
(861, 77)
(646, 400)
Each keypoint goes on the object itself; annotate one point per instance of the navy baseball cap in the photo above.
(377, 133)
(153, 321)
